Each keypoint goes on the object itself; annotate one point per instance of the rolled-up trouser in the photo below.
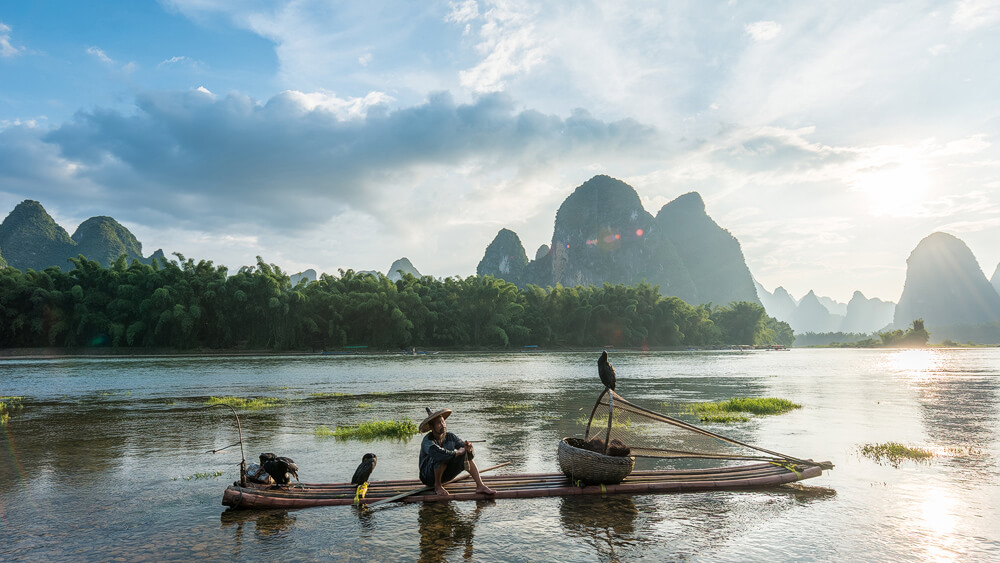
(453, 467)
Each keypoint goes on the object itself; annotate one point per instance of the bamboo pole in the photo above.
(426, 488)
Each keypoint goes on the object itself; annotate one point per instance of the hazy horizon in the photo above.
(828, 139)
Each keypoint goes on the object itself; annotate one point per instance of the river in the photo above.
(107, 459)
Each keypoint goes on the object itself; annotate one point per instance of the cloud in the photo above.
(509, 44)
(299, 159)
(100, 55)
(975, 14)
(6, 48)
(763, 31)
(462, 12)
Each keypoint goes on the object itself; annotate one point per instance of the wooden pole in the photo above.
(611, 412)
(427, 488)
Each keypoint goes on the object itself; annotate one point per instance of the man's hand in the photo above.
(460, 451)
(468, 446)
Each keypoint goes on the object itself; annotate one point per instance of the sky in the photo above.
(828, 137)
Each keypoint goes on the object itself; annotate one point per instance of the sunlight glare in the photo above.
(896, 191)
(938, 521)
(914, 363)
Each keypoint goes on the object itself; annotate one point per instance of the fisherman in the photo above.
(444, 455)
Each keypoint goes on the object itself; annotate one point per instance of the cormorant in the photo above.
(281, 469)
(606, 372)
(361, 475)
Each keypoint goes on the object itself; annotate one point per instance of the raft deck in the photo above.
(531, 485)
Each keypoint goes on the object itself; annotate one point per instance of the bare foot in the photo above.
(483, 489)
(441, 492)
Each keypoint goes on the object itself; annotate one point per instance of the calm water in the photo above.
(96, 464)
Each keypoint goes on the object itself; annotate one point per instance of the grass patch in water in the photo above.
(239, 402)
(364, 405)
(8, 404)
(894, 453)
(207, 475)
(736, 410)
(373, 430)
(329, 395)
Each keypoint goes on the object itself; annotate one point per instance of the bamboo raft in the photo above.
(531, 485)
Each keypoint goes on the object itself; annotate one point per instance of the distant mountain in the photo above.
(861, 315)
(812, 316)
(945, 286)
(603, 235)
(835, 307)
(308, 275)
(400, 267)
(995, 280)
(505, 258)
(779, 304)
(103, 239)
(866, 316)
(712, 256)
(31, 239)
(3, 263)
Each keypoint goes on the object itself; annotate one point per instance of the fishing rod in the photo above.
(243, 457)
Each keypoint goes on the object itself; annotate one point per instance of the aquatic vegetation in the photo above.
(364, 405)
(329, 395)
(206, 475)
(894, 453)
(8, 404)
(239, 402)
(736, 409)
(373, 430)
(723, 417)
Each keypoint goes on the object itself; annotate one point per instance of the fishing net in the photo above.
(634, 430)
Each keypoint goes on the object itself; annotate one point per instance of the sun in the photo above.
(895, 190)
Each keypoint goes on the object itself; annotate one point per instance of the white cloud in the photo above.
(100, 55)
(763, 30)
(509, 44)
(462, 12)
(974, 14)
(6, 48)
(365, 59)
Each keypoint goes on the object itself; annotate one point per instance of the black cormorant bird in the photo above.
(361, 475)
(364, 470)
(280, 468)
(606, 372)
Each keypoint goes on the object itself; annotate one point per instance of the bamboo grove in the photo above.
(183, 304)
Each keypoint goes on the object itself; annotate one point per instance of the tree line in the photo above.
(184, 304)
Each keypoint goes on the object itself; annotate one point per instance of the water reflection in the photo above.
(958, 409)
(444, 529)
(607, 524)
(268, 525)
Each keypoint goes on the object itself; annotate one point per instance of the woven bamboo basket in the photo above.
(591, 467)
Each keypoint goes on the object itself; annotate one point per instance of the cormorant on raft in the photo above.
(361, 475)
(605, 370)
(280, 468)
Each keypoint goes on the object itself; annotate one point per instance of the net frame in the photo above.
(612, 401)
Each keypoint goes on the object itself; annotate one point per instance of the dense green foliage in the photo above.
(185, 304)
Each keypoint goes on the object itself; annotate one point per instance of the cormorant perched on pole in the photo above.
(281, 469)
(361, 475)
(606, 372)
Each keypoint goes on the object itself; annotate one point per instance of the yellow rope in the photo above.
(787, 466)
